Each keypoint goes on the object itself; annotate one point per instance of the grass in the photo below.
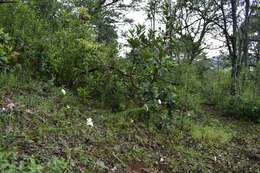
(211, 134)
(43, 134)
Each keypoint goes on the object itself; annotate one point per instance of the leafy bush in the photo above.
(26, 29)
(150, 68)
(9, 80)
(70, 55)
(5, 49)
(244, 107)
(216, 87)
(59, 46)
(9, 164)
(188, 88)
(245, 104)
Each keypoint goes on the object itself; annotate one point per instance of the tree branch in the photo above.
(5, 2)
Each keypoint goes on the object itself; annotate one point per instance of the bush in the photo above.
(64, 51)
(216, 87)
(9, 163)
(5, 50)
(70, 55)
(149, 68)
(246, 104)
(188, 88)
(244, 107)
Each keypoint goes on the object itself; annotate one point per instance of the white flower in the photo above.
(63, 91)
(132, 121)
(10, 106)
(68, 107)
(161, 159)
(114, 169)
(215, 158)
(159, 101)
(146, 107)
(90, 122)
(29, 111)
(3, 109)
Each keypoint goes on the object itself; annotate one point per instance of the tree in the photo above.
(234, 20)
(229, 18)
(104, 15)
(188, 22)
(153, 7)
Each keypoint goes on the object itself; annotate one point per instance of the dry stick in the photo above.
(119, 159)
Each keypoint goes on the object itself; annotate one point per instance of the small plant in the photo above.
(9, 164)
(56, 166)
(5, 49)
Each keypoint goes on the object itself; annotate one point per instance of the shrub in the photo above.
(150, 69)
(5, 50)
(245, 104)
(188, 88)
(8, 163)
(216, 87)
(70, 55)
(244, 107)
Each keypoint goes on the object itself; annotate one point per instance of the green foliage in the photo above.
(70, 55)
(56, 166)
(60, 44)
(158, 77)
(47, 136)
(151, 68)
(5, 49)
(245, 105)
(188, 88)
(210, 134)
(70, 103)
(9, 164)
(216, 87)
(73, 45)
(8, 80)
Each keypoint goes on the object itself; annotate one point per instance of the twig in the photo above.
(119, 159)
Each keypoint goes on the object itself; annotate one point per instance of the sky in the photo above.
(140, 17)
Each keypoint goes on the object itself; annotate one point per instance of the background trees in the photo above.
(74, 44)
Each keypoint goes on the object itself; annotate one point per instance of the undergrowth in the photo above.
(45, 130)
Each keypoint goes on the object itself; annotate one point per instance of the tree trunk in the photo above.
(169, 24)
(258, 53)
(243, 63)
(233, 89)
(234, 59)
(246, 39)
